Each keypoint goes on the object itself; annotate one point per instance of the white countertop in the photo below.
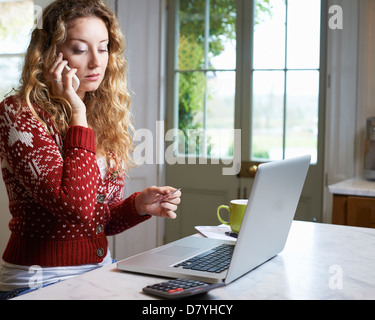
(320, 261)
(355, 187)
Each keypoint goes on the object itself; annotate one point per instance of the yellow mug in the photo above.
(236, 211)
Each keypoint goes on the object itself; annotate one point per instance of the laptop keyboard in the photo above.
(214, 260)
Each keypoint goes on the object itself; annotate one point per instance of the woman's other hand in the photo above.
(149, 201)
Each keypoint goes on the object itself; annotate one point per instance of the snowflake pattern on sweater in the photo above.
(62, 210)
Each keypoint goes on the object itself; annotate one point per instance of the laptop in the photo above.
(267, 220)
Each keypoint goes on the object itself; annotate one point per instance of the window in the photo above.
(283, 68)
(285, 73)
(205, 76)
(16, 24)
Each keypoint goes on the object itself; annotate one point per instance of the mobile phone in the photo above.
(76, 81)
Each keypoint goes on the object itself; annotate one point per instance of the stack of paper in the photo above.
(216, 232)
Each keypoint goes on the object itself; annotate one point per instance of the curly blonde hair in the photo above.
(108, 111)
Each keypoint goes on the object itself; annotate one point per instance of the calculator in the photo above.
(180, 288)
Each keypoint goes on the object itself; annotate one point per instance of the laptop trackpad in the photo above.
(177, 251)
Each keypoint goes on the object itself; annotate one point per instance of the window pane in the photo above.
(10, 73)
(269, 34)
(191, 49)
(16, 23)
(285, 115)
(222, 42)
(191, 100)
(267, 115)
(220, 113)
(303, 34)
(302, 114)
(206, 98)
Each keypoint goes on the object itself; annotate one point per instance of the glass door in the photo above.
(254, 67)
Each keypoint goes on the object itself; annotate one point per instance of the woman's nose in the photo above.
(94, 61)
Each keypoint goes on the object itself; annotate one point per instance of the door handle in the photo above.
(253, 169)
(248, 169)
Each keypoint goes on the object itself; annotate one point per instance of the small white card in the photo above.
(216, 232)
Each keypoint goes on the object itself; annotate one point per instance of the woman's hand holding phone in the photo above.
(65, 84)
(75, 80)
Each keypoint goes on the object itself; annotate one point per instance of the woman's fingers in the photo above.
(57, 69)
(54, 65)
(60, 75)
(158, 201)
(169, 206)
(68, 78)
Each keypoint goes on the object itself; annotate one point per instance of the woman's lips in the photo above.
(93, 77)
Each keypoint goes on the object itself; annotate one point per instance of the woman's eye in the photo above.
(78, 51)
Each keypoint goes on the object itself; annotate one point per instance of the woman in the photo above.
(65, 150)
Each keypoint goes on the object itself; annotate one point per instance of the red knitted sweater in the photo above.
(62, 210)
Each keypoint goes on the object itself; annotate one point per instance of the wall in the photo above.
(141, 22)
(369, 53)
(350, 93)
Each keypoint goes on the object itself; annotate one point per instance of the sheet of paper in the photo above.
(216, 232)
